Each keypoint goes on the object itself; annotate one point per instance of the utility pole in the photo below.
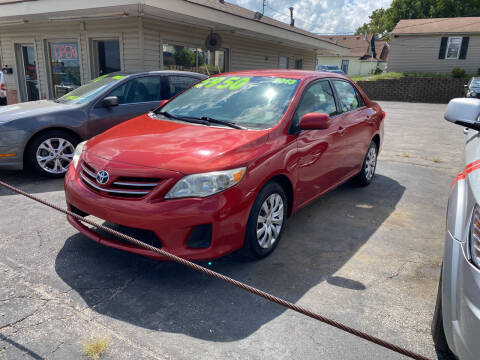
(264, 2)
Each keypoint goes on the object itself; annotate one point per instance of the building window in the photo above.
(298, 63)
(64, 67)
(179, 57)
(283, 62)
(105, 56)
(345, 64)
(453, 47)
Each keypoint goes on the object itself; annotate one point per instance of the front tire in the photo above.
(438, 332)
(266, 222)
(50, 153)
(365, 176)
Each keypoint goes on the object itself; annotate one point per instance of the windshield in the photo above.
(253, 102)
(475, 83)
(90, 90)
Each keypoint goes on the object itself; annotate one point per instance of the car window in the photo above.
(179, 83)
(144, 89)
(347, 95)
(318, 98)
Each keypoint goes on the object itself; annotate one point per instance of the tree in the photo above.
(185, 57)
(384, 21)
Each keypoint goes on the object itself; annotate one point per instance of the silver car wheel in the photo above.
(54, 155)
(270, 221)
(370, 163)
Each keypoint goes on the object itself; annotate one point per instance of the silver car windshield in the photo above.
(257, 102)
(90, 90)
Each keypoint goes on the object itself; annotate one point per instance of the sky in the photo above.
(319, 16)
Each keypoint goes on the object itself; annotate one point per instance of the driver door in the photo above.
(135, 97)
(319, 153)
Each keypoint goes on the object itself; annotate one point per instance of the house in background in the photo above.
(50, 47)
(436, 45)
(365, 54)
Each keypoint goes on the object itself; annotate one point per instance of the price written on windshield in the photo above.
(235, 83)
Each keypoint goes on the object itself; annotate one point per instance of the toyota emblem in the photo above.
(103, 177)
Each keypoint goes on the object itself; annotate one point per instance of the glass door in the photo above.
(28, 78)
(64, 67)
(105, 57)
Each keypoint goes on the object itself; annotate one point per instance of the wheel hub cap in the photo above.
(54, 155)
(270, 221)
(370, 163)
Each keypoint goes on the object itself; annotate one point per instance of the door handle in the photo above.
(341, 130)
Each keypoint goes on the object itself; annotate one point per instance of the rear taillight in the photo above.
(475, 237)
(3, 87)
(383, 115)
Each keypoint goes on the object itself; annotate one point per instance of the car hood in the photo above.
(178, 146)
(30, 109)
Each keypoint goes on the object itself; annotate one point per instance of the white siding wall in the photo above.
(245, 53)
(140, 45)
(127, 30)
(414, 53)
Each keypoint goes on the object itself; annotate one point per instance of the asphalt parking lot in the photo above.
(368, 257)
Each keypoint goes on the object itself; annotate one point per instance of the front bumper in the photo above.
(172, 221)
(461, 300)
(11, 149)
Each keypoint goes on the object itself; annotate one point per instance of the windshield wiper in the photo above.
(183, 118)
(204, 120)
(221, 122)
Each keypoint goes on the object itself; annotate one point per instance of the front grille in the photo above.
(121, 186)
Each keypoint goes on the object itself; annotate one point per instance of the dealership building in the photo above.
(49, 47)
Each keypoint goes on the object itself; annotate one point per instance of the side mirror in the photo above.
(315, 121)
(464, 112)
(110, 101)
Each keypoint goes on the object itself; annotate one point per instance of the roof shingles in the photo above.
(459, 25)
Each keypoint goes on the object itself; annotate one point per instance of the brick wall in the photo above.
(411, 89)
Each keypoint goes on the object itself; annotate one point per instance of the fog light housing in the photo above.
(200, 237)
(475, 237)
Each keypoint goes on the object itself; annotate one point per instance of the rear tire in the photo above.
(438, 333)
(50, 153)
(369, 165)
(266, 222)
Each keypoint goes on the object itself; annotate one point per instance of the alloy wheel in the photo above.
(270, 221)
(370, 163)
(54, 155)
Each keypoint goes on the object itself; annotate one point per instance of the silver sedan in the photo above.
(456, 322)
(43, 134)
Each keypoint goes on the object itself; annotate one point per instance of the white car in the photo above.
(3, 90)
(456, 321)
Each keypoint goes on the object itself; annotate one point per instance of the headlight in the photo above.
(473, 93)
(206, 184)
(77, 153)
(475, 237)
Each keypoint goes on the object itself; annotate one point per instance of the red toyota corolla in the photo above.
(221, 166)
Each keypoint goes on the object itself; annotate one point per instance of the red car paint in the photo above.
(309, 164)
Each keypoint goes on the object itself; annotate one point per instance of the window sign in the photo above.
(64, 67)
(453, 47)
(65, 51)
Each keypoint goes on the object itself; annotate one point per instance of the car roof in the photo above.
(158, 72)
(290, 73)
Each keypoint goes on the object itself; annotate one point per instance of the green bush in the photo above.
(458, 73)
(377, 71)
